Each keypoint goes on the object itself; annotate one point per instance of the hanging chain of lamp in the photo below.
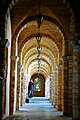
(39, 57)
(39, 19)
(39, 50)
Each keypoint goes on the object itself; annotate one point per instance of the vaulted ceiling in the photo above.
(54, 30)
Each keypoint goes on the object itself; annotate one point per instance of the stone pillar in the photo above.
(51, 88)
(25, 88)
(22, 83)
(18, 87)
(70, 65)
(2, 63)
(12, 80)
(76, 80)
(55, 99)
(3, 72)
(65, 92)
(12, 83)
(1, 97)
(2, 81)
(60, 85)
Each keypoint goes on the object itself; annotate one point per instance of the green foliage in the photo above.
(37, 84)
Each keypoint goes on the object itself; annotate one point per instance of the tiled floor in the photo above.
(38, 108)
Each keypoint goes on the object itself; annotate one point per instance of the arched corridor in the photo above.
(40, 39)
(38, 108)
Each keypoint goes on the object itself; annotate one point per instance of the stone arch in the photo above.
(18, 30)
(42, 78)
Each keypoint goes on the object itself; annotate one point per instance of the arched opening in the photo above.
(39, 85)
(51, 60)
(55, 78)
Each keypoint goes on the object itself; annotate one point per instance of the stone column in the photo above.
(18, 87)
(52, 85)
(51, 88)
(22, 83)
(25, 90)
(76, 80)
(12, 80)
(60, 85)
(1, 97)
(2, 63)
(3, 72)
(12, 83)
(65, 92)
(2, 80)
(70, 65)
(55, 99)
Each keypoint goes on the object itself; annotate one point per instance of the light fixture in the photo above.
(39, 62)
(38, 69)
(38, 38)
(39, 56)
(38, 72)
(39, 17)
(39, 49)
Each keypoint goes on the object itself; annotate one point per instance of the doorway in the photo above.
(39, 85)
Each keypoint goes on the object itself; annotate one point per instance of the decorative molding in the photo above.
(79, 42)
(1, 78)
(15, 58)
(69, 57)
(64, 57)
(75, 42)
(57, 66)
(52, 75)
(7, 44)
(20, 66)
(55, 71)
(60, 66)
(4, 42)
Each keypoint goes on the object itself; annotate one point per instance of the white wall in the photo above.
(47, 88)
(8, 36)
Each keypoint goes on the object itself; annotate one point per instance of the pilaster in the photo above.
(3, 72)
(76, 80)
(65, 94)
(70, 66)
(55, 98)
(14, 59)
(2, 64)
(18, 87)
(60, 87)
(2, 80)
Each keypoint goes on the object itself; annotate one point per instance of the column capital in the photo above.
(64, 57)
(4, 42)
(69, 57)
(15, 58)
(75, 42)
(20, 66)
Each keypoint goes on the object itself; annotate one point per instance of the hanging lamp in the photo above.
(39, 49)
(39, 17)
(39, 56)
(38, 38)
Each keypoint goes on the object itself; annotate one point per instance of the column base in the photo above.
(59, 107)
(65, 114)
(75, 118)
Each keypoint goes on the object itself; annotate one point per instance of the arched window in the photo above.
(37, 84)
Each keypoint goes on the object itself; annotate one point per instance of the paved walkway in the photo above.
(38, 108)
